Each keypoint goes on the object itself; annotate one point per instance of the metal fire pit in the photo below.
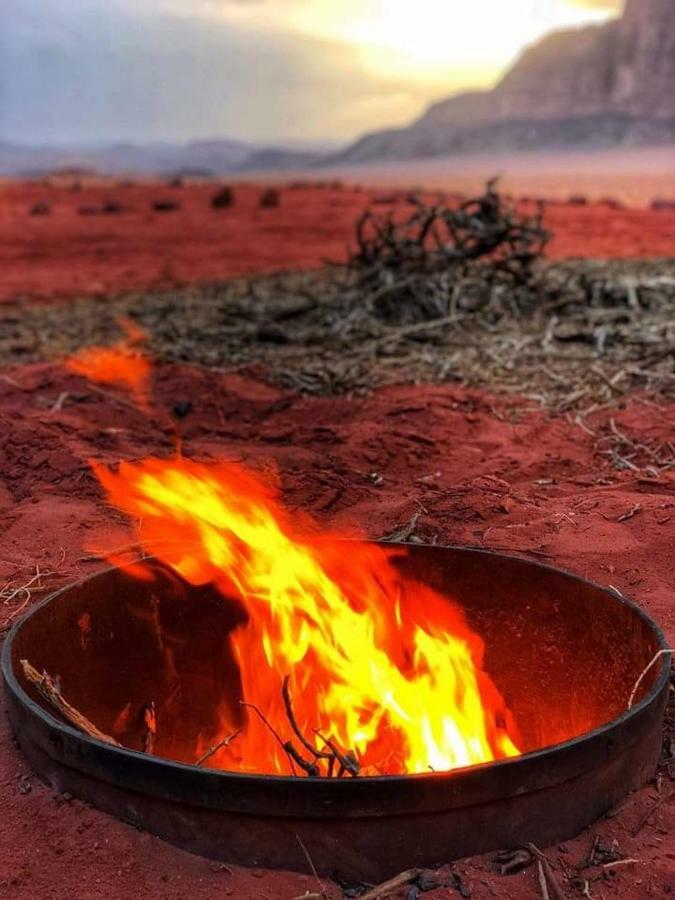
(565, 654)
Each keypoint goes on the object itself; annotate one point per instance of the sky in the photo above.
(267, 71)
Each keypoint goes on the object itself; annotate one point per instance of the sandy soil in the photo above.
(635, 175)
(66, 253)
(486, 472)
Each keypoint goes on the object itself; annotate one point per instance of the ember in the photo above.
(345, 666)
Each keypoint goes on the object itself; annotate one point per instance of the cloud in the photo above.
(84, 70)
(71, 70)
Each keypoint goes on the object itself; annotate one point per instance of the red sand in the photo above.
(485, 474)
(65, 253)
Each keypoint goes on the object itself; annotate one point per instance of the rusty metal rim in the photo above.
(368, 795)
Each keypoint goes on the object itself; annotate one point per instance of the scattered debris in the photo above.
(404, 533)
(552, 883)
(389, 887)
(337, 341)
(24, 593)
(633, 511)
(512, 861)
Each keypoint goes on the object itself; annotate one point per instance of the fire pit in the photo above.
(565, 655)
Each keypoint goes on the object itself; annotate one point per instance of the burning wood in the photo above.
(150, 722)
(372, 673)
(205, 757)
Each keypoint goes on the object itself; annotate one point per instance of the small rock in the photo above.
(272, 334)
(165, 206)
(428, 880)
(182, 408)
(506, 505)
(223, 199)
(112, 208)
(220, 867)
(661, 204)
(270, 199)
(463, 889)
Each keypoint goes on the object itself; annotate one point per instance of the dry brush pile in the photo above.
(446, 292)
(422, 265)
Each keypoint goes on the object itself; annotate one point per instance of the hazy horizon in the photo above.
(262, 71)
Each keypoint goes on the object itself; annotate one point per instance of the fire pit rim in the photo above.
(335, 789)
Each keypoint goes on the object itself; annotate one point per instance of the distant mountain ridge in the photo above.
(597, 86)
(218, 156)
(600, 86)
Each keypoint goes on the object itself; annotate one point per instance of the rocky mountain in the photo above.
(586, 87)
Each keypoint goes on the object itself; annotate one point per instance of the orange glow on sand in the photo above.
(122, 365)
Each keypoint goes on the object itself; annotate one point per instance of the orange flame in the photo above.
(123, 364)
(380, 665)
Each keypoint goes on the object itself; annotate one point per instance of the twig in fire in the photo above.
(288, 705)
(346, 762)
(294, 757)
(216, 747)
(333, 757)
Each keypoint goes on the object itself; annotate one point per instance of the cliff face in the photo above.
(646, 66)
(594, 86)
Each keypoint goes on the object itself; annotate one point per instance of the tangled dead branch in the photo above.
(579, 337)
(441, 237)
(423, 259)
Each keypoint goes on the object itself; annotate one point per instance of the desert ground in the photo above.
(541, 428)
(95, 238)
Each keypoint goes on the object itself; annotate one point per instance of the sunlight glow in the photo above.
(434, 36)
(393, 57)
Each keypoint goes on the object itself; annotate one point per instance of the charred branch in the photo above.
(50, 691)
